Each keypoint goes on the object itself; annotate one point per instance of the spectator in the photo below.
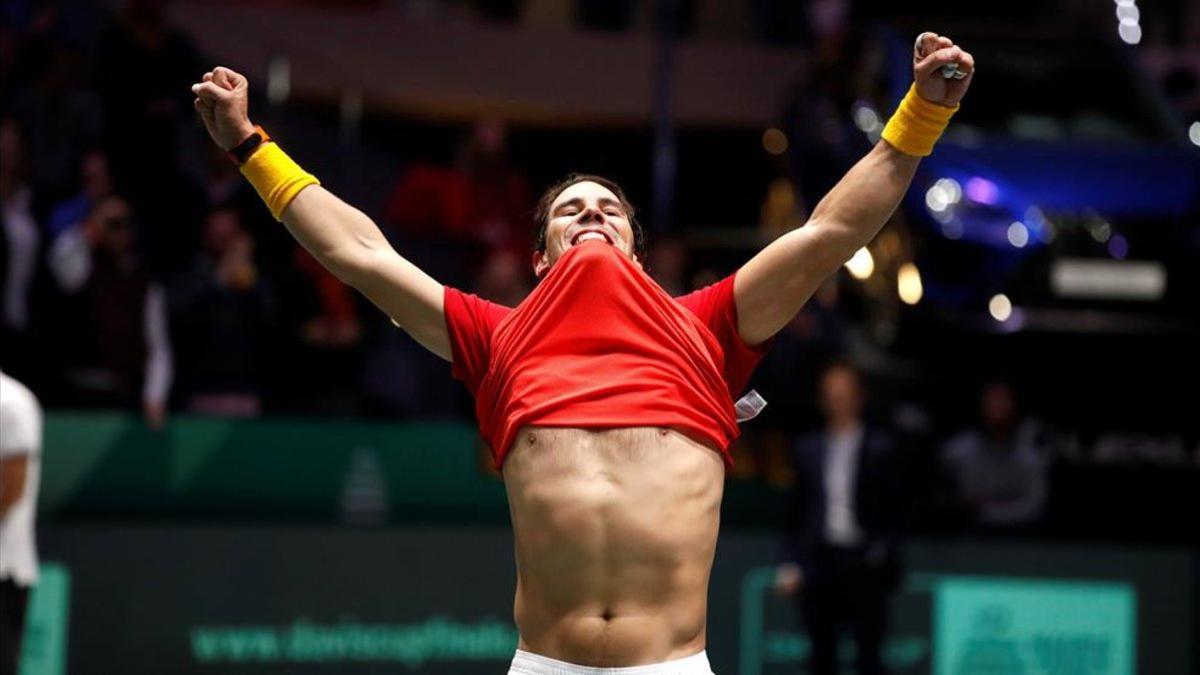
(20, 451)
(818, 334)
(19, 241)
(145, 118)
(122, 356)
(667, 263)
(96, 183)
(480, 205)
(504, 279)
(336, 323)
(822, 145)
(61, 119)
(154, 104)
(999, 469)
(781, 210)
(498, 191)
(224, 322)
(843, 548)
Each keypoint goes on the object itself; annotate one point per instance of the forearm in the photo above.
(349, 244)
(862, 202)
(339, 236)
(12, 482)
(342, 238)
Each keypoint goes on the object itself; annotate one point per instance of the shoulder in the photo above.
(20, 417)
(16, 397)
(961, 445)
(460, 303)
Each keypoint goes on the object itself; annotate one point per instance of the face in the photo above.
(221, 230)
(999, 406)
(10, 145)
(97, 181)
(584, 211)
(114, 222)
(840, 395)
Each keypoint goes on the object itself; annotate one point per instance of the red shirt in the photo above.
(599, 344)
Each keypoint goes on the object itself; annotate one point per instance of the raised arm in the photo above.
(339, 236)
(772, 287)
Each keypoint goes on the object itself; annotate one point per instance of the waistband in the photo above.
(526, 663)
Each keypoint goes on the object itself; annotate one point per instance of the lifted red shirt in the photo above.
(599, 344)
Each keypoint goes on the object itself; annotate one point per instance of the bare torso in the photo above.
(615, 532)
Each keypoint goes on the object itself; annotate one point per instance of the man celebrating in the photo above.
(607, 404)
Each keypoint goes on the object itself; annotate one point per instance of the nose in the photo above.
(592, 214)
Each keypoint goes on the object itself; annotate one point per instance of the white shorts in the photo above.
(525, 663)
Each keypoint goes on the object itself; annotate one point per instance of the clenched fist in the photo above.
(930, 54)
(221, 98)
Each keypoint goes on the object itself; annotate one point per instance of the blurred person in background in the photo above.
(96, 183)
(503, 279)
(150, 105)
(150, 174)
(999, 469)
(497, 190)
(20, 461)
(781, 209)
(110, 330)
(20, 240)
(62, 119)
(846, 526)
(667, 264)
(817, 335)
(600, 373)
(480, 204)
(335, 324)
(822, 145)
(223, 320)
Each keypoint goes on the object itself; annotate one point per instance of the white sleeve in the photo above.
(20, 420)
(159, 359)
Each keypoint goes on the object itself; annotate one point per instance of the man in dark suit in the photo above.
(846, 520)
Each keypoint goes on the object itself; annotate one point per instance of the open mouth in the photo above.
(588, 235)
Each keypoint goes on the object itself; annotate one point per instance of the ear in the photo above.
(540, 266)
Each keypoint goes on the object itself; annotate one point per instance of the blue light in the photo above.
(1118, 247)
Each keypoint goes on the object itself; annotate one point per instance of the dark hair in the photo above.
(843, 364)
(541, 214)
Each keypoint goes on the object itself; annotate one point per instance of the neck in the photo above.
(847, 423)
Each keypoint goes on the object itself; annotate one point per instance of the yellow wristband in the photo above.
(917, 124)
(276, 177)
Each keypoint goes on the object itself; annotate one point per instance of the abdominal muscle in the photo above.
(615, 531)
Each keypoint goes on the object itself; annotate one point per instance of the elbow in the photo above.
(350, 264)
(358, 264)
(835, 244)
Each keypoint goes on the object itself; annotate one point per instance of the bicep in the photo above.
(772, 287)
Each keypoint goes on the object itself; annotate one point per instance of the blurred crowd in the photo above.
(139, 270)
